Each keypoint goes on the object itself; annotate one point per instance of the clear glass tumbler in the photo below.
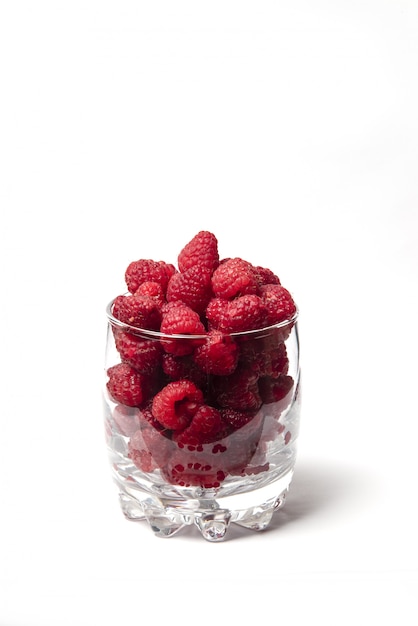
(192, 446)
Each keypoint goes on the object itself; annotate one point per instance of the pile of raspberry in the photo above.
(193, 406)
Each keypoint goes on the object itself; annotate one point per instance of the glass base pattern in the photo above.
(212, 516)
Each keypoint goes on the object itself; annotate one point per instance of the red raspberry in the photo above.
(139, 311)
(181, 320)
(217, 314)
(144, 270)
(234, 277)
(265, 276)
(236, 419)
(147, 420)
(169, 306)
(275, 389)
(138, 453)
(126, 385)
(175, 405)
(264, 355)
(218, 355)
(278, 302)
(142, 354)
(239, 448)
(168, 269)
(150, 449)
(183, 367)
(201, 251)
(152, 290)
(238, 391)
(241, 314)
(205, 427)
(126, 419)
(192, 287)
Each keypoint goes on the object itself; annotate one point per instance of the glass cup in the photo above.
(194, 443)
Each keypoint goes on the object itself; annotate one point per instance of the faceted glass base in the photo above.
(213, 516)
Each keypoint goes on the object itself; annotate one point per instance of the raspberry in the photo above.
(181, 320)
(265, 276)
(138, 453)
(175, 405)
(264, 355)
(152, 290)
(218, 355)
(234, 277)
(126, 419)
(183, 367)
(201, 251)
(144, 270)
(239, 448)
(241, 314)
(142, 354)
(147, 420)
(168, 269)
(149, 449)
(139, 311)
(205, 427)
(126, 385)
(275, 389)
(217, 314)
(278, 302)
(236, 419)
(192, 287)
(238, 391)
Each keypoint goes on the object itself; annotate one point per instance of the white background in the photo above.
(290, 130)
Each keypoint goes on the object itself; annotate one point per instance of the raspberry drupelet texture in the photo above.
(144, 270)
(218, 355)
(243, 313)
(175, 405)
(265, 276)
(234, 277)
(153, 290)
(142, 354)
(238, 391)
(126, 385)
(193, 287)
(201, 251)
(139, 311)
(181, 320)
(278, 303)
(206, 426)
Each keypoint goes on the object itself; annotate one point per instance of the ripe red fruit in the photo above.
(234, 277)
(278, 303)
(176, 404)
(218, 355)
(192, 287)
(139, 311)
(181, 320)
(144, 270)
(201, 251)
(243, 313)
(206, 426)
(142, 354)
(238, 391)
(126, 385)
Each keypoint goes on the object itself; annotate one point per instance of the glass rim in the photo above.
(156, 334)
